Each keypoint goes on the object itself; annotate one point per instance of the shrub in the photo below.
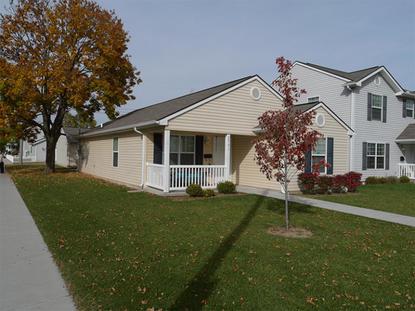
(307, 182)
(371, 180)
(339, 184)
(353, 180)
(382, 180)
(195, 190)
(209, 193)
(404, 180)
(324, 184)
(392, 180)
(226, 187)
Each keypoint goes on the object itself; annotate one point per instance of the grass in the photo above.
(394, 198)
(132, 251)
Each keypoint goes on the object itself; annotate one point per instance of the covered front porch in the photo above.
(193, 158)
(406, 143)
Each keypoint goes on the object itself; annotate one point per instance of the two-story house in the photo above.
(379, 110)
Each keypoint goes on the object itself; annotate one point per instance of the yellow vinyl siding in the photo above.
(233, 113)
(97, 158)
(246, 172)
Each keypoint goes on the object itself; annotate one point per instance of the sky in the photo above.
(180, 46)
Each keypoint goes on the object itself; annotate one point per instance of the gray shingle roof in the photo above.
(72, 133)
(306, 106)
(352, 75)
(408, 132)
(164, 109)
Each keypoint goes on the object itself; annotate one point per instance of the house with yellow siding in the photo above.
(204, 137)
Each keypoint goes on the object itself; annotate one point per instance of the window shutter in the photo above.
(369, 106)
(308, 161)
(330, 147)
(387, 157)
(199, 150)
(404, 108)
(385, 108)
(158, 148)
(364, 156)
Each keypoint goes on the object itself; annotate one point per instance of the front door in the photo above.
(218, 150)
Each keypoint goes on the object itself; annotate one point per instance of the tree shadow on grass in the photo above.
(278, 207)
(199, 289)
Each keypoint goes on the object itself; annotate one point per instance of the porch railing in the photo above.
(207, 176)
(406, 169)
(155, 175)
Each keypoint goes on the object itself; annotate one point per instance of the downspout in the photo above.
(352, 125)
(143, 151)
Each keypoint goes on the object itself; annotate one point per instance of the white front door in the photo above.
(218, 150)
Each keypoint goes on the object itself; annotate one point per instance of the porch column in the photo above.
(228, 170)
(166, 160)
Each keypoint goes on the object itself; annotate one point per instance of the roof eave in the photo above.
(141, 125)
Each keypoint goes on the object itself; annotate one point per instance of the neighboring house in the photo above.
(66, 152)
(32, 152)
(375, 106)
(208, 136)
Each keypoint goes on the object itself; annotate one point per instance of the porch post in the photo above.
(166, 160)
(228, 171)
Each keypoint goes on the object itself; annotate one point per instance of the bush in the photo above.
(209, 193)
(353, 180)
(307, 182)
(339, 184)
(392, 180)
(372, 180)
(226, 187)
(404, 180)
(195, 190)
(324, 184)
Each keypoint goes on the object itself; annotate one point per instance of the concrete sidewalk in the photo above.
(29, 279)
(343, 208)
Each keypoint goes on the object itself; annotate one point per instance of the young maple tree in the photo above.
(60, 56)
(285, 135)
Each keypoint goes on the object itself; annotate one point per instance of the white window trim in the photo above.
(376, 156)
(381, 107)
(320, 155)
(314, 96)
(116, 151)
(180, 149)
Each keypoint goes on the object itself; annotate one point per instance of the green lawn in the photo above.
(394, 198)
(132, 251)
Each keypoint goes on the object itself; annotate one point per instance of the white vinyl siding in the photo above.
(233, 113)
(313, 99)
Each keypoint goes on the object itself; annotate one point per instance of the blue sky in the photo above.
(183, 46)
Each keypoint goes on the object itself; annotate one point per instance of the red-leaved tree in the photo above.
(285, 135)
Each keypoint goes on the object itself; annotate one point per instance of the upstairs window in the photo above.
(313, 99)
(377, 107)
(409, 108)
(115, 152)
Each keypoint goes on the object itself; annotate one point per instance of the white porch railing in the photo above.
(207, 176)
(155, 175)
(181, 176)
(407, 169)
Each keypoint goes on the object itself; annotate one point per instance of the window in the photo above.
(376, 107)
(409, 107)
(115, 152)
(182, 150)
(375, 156)
(313, 99)
(319, 154)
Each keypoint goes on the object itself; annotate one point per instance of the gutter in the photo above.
(121, 128)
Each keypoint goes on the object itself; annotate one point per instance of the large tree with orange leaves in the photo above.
(56, 57)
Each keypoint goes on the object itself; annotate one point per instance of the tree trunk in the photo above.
(286, 193)
(50, 154)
